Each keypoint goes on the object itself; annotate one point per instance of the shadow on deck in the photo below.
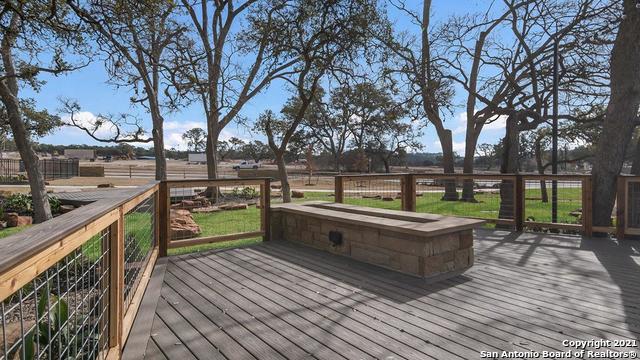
(283, 301)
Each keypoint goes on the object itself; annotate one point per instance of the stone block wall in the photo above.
(424, 256)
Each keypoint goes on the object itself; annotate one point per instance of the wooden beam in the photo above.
(132, 310)
(409, 193)
(213, 239)
(265, 210)
(116, 281)
(518, 202)
(132, 203)
(164, 220)
(22, 273)
(338, 193)
(587, 207)
(621, 207)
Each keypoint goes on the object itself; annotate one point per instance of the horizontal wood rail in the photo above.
(46, 248)
(410, 182)
(166, 241)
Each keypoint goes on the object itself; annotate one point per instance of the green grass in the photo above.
(235, 221)
(12, 230)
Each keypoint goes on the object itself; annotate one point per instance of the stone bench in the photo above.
(425, 245)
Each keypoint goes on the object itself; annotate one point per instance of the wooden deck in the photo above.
(282, 301)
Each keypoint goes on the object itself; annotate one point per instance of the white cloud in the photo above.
(87, 119)
(175, 129)
(495, 123)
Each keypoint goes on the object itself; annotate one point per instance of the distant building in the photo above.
(197, 158)
(80, 154)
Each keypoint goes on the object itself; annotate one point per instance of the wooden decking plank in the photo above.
(314, 312)
(188, 335)
(362, 345)
(242, 310)
(406, 342)
(168, 342)
(464, 296)
(487, 323)
(596, 301)
(152, 351)
(202, 300)
(605, 276)
(440, 339)
(369, 301)
(526, 297)
(207, 328)
(141, 329)
(292, 326)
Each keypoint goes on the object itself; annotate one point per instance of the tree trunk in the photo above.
(41, 208)
(622, 112)
(467, 167)
(387, 166)
(509, 166)
(284, 178)
(635, 166)
(448, 165)
(537, 149)
(158, 150)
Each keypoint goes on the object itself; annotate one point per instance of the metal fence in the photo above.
(12, 170)
(534, 202)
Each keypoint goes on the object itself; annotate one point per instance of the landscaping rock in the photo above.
(182, 225)
(109, 185)
(275, 186)
(66, 208)
(387, 198)
(14, 220)
(297, 194)
(233, 206)
(196, 202)
(419, 194)
(371, 196)
(207, 209)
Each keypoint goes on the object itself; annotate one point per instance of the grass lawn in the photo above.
(235, 221)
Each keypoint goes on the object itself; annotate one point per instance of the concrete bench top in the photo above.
(392, 220)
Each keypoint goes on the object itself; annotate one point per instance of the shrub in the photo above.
(23, 204)
(19, 203)
(245, 193)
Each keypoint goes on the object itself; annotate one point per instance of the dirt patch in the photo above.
(95, 181)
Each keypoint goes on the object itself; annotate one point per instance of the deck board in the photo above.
(283, 301)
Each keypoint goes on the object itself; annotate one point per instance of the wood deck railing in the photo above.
(520, 202)
(72, 286)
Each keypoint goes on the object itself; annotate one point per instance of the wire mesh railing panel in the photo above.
(377, 192)
(63, 312)
(633, 204)
(139, 242)
(483, 198)
(539, 201)
(305, 187)
(208, 211)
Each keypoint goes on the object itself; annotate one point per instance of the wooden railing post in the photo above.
(409, 192)
(621, 207)
(339, 189)
(587, 206)
(518, 202)
(164, 218)
(265, 209)
(116, 282)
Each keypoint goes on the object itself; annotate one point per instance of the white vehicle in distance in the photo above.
(246, 165)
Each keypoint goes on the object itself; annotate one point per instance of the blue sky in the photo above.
(89, 87)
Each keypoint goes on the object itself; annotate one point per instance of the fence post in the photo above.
(130, 171)
(116, 282)
(164, 218)
(409, 192)
(518, 202)
(339, 189)
(265, 208)
(587, 206)
(621, 205)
